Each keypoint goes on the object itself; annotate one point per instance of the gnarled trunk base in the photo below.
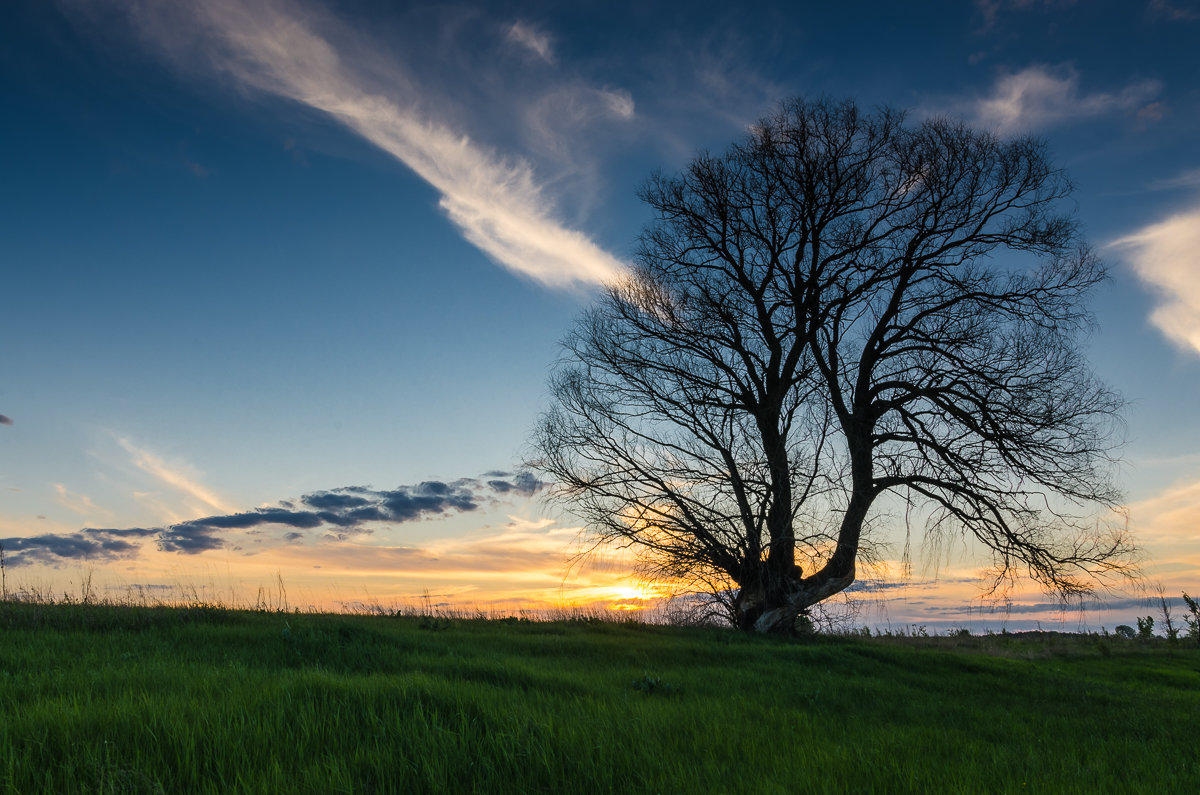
(756, 611)
(780, 610)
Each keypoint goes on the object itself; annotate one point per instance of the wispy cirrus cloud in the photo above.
(531, 39)
(176, 476)
(991, 9)
(1042, 96)
(560, 118)
(1184, 180)
(1170, 515)
(1166, 257)
(81, 504)
(1165, 523)
(294, 51)
(1174, 11)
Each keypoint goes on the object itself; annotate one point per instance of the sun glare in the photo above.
(637, 596)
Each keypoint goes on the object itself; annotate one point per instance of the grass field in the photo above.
(102, 698)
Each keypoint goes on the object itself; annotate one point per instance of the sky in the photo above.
(281, 281)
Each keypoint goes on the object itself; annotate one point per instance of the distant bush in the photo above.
(436, 623)
(1125, 631)
(1145, 628)
(804, 625)
(1192, 621)
(515, 620)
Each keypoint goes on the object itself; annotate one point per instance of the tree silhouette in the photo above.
(843, 306)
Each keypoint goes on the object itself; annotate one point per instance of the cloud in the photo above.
(330, 500)
(173, 475)
(870, 586)
(274, 47)
(1153, 112)
(79, 503)
(1187, 179)
(1169, 517)
(1166, 9)
(525, 483)
(345, 511)
(1035, 608)
(88, 544)
(188, 539)
(1166, 256)
(554, 122)
(351, 507)
(519, 550)
(5, 420)
(1042, 96)
(990, 9)
(531, 39)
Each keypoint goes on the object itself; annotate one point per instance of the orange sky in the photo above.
(513, 558)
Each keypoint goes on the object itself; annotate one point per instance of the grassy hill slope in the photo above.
(138, 699)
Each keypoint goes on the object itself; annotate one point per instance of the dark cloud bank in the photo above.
(88, 544)
(343, 511)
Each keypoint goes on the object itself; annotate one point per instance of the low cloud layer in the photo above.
(1039, 608)
(93, 544)
(1166, 257)
(340, 512)
(1043, 96)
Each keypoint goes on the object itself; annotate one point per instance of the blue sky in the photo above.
(256, 251)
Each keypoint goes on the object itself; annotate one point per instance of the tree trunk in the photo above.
(758, 610)
(767, 618)
(772, 598)
(776, 611)
(769, 605)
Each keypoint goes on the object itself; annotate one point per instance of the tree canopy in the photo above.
(839, 307)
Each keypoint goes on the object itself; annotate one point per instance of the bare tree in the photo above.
(840, 307)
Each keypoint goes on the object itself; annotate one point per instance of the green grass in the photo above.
(101, 698)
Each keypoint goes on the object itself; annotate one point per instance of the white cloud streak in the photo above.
(1042, 96)
(1173, 12)
(991, 9)
(531, 39)
(1176, 500)
(559, 118)
(1166, 256)
(79, 503)
(177, 477)
(1187, 179)
(274, 47)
